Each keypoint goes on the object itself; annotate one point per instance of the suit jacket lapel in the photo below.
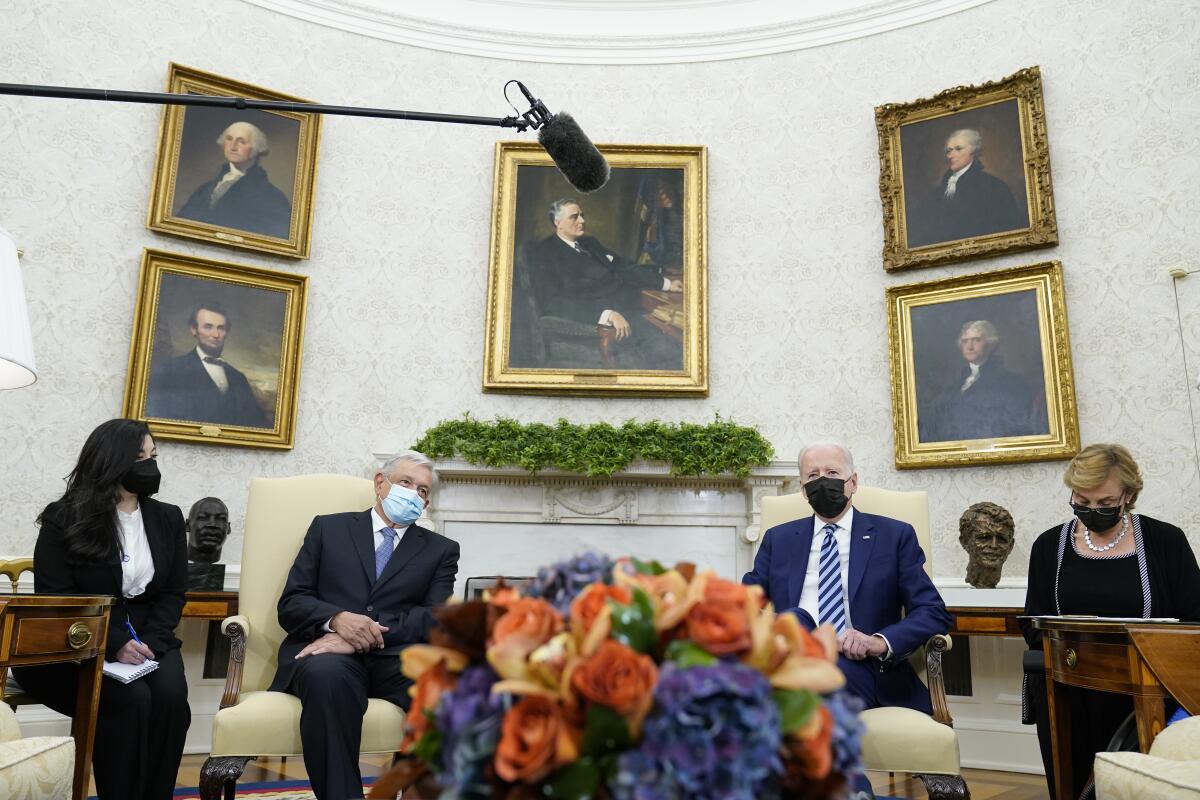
(409, 545)
(364, 542)
(862, 540)
(154, 537)
(801, 541)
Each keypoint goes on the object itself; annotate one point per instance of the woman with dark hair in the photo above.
(106, 535)
(1105, 561)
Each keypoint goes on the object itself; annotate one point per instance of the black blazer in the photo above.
(154, 613)
(183, 389)
(335, 571)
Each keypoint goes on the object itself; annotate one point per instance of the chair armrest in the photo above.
(236, 628)
(938, 644)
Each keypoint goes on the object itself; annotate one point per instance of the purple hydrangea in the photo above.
(468, 717)
(559, 584)
(713, 733)
(847, 733)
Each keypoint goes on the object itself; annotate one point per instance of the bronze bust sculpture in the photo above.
(987, 532)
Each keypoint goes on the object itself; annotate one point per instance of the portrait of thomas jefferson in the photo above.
(236, 170)
(963, 176)
(979, 378)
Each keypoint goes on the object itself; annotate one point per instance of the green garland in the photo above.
(599, 449)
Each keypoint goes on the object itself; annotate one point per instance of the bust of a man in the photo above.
(207, 527)
(986, 531)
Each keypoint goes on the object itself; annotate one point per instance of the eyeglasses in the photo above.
(1104, 512)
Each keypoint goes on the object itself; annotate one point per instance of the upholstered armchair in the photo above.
(1170, 771)
(36, 768)
(11, 693)
(900, 739)
(253, 722)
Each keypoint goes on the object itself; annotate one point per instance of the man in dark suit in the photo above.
(984, 399)
(201, 386)
(362, 588)
(240, 195)
(576, 277)
(968, 201)
(860, 572)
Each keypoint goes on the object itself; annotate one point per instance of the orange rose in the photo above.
(814, 753)
(528, 624)
(594, 599)
(534, 741)
(617, 677)
(425, 695)
(719, 622)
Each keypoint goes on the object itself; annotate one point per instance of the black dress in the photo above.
(140, 726)
(1159, 578)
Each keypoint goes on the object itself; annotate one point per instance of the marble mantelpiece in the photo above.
(510, 522)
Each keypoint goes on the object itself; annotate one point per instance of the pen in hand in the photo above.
(136, 647)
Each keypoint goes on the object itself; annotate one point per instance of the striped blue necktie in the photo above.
(831, 605)
(384, 551)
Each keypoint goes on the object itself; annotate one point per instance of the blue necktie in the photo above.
(831, 605)
(384, 551)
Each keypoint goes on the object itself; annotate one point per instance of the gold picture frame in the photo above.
(626, 313)
(247, 323)
(270, 207)
(981, 369)
(966, 173)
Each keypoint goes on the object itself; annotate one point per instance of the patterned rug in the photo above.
(265, 790)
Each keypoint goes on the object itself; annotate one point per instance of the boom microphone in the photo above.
(576, 157)
(572, 151)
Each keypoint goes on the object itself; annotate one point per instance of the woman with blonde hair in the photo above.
(1110, 562)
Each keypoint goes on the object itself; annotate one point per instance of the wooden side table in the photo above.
(210, 605)
(50, 629)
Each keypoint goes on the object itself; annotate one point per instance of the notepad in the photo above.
(128, 673)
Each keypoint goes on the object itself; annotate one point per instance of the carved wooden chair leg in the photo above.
(945, 787)
(219, 775)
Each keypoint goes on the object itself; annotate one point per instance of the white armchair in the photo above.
(36, 768)
(1170, 771)
(900, 739)
(253, 722)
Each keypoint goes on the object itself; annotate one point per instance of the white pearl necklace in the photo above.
(1087, 537)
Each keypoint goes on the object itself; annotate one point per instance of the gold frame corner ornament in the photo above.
(692, 379)
(159, 217)
(1025, 86)
(157, 263)
(1061, 441)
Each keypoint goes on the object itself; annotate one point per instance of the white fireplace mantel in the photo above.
(510, 521)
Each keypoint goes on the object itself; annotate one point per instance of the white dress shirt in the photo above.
(378, 523)
(606, 315)
(810, 594)
(974, 376)
(137, 564)
(215, 371)
(952, 183)
(225, 184)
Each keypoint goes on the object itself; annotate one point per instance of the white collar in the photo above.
(953, 177)
(845, 523)
(378, 523)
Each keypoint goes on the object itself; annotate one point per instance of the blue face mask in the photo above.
(402, 505)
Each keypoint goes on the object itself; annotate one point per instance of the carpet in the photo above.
(264, 790)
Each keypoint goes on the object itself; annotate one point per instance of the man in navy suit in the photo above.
(874, 588)
(200, 385)
(362, 588)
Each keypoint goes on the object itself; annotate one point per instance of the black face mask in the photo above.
(1097, 520)
(142, 478)
(827, 496)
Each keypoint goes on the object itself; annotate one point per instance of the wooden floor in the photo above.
(984, 784)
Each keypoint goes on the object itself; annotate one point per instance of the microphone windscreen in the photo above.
(576, 157)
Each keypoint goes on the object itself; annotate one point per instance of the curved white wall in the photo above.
(399, 266)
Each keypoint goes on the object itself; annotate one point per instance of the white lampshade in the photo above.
(16, 339)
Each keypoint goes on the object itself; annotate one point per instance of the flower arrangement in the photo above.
(627, 680)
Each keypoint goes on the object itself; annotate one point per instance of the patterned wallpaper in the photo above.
(399, 265)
